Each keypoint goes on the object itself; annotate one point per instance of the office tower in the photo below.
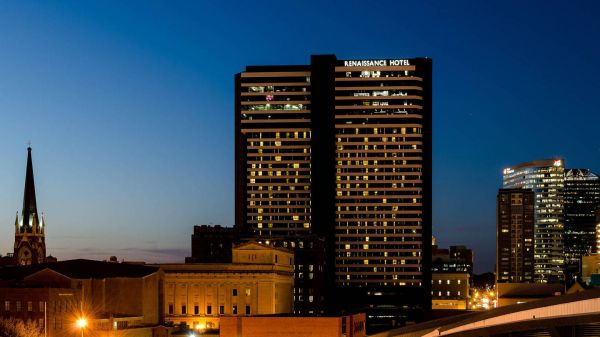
(582, 197)
(515, 235)
(546, 179)
(342, 149)
(30, 242)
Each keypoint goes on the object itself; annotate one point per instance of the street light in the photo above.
(81, 323)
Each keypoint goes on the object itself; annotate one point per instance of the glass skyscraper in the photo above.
(547, 180)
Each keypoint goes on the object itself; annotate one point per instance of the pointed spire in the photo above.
(17, 223)
(29, 203)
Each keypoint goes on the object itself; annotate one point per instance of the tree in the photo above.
(18, 328)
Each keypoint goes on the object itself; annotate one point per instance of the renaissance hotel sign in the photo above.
(375, 63)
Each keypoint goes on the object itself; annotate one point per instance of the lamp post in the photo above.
(82, 323)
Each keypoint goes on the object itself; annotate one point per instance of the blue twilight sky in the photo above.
(129, 105)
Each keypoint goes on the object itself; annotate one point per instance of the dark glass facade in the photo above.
(515, 236)
(581, 197)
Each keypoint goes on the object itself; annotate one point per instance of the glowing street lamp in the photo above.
(81, 323)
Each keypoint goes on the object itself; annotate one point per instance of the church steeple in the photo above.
(30, 243)
(30, 214)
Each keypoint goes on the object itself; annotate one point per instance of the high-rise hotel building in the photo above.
(546, 179)
(342, 149)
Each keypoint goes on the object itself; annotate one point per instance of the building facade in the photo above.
(450, 291)
(282, 326)
(452, 270)
(546, 179)
(582, 198)
(259, 281)
(590, 266)
(309, 271)
(30, 228)
(342, 149)
(115, 299)
(515, 218)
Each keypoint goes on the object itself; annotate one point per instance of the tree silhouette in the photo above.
(18, 328)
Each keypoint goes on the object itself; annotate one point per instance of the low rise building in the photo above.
(590, 269)
(259, 281)
(282, 326)
(115, 299)
(519, 293)
(450, 279)
(450, 291)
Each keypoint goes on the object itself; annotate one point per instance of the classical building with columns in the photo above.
(259, 281)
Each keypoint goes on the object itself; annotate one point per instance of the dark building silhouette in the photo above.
(597, 231)
(515, 236)
(581, 198)
(212, 244)
(342, 150)
(30, 228)
(456, 259)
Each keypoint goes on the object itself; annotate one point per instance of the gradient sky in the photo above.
(129, 106)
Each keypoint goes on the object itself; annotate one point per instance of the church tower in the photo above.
(30, 244)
